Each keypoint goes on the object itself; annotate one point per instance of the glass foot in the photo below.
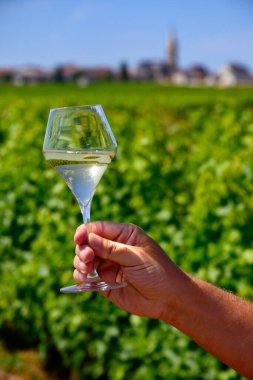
(93, 287)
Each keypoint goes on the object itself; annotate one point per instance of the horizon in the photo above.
(115, 69)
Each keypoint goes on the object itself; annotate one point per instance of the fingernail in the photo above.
(94, 240)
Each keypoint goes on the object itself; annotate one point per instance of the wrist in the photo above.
(179, 293)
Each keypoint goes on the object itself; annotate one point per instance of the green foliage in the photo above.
(183, 172)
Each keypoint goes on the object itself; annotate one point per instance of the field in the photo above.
(183, 172)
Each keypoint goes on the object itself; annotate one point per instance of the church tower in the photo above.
(172, 52)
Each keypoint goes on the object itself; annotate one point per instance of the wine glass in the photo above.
(79, 144)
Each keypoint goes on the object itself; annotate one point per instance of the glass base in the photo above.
(93, 287)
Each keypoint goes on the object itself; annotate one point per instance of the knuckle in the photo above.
(86, 254)
(89, 255)
(76, 275)
(79, 265)
(112, 248)
(75, 261)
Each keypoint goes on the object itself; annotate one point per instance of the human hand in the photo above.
(123, 252)
(217, 320)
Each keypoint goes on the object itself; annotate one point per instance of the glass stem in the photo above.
(85, 209)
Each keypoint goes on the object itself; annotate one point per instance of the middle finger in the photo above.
(85, 253)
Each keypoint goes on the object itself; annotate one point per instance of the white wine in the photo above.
(79, 145)
(81, 170)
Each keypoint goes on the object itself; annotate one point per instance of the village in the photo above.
(162, 71)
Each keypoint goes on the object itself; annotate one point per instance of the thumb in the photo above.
(110, 250)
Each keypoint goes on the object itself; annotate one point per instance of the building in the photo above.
(172, 53)
(233, 75)
(30, 75)
(197, 74)
(25, 75)
(6, 75)
(160, 71)
(152, 70)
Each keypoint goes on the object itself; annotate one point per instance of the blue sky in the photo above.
(107, 32)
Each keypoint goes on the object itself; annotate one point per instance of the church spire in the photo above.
(172, 51)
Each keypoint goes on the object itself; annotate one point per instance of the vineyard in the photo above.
(183, 172)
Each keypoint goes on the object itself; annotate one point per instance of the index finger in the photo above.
(81, 235)
(121, 232)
